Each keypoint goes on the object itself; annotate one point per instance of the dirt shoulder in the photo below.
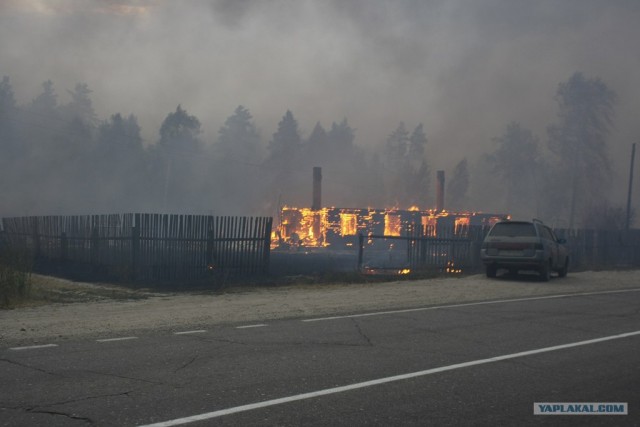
(114, 311)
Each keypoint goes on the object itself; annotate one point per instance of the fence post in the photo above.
(476, 237)
(64, 246)
(36, 238)
(210, 264)
(267, 245)
(135, 249)
(360, 250)
(93, 249)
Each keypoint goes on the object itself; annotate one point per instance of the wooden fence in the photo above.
(459, 249)
(602, 248)
(145, 247)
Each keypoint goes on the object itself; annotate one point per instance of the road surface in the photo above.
(483, 363)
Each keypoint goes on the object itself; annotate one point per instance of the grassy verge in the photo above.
(15, 278)
(42, 290)
(19, 287)
(47, 290)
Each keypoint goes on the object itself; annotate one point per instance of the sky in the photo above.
(463, 68)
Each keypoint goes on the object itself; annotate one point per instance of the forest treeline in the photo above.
(61, 158)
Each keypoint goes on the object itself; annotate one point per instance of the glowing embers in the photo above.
(377, 271)
(452, 269)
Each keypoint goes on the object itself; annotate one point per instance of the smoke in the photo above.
(463, 68)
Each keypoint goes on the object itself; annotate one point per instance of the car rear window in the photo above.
(513, 229)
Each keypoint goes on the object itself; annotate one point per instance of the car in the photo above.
(524, 245)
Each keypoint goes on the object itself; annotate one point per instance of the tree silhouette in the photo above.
(340, 138)
(579, 139)
(516, 160)
(417, 143)
(10, 149)
(286, 141)
(237, 153)
(8, 116)
(458, 186)
(120, 163)
(317, 147)
(406, 168)
(238, 139)
(396, 146)
(284, 151)
(177, 162)
(47, 101)
(181, 131)
(80, 107)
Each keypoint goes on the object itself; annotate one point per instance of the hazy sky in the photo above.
(463, 68)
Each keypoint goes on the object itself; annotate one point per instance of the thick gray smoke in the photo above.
(465, 69)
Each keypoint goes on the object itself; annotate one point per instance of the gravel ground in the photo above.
(108, 317)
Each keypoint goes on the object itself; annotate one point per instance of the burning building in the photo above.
(339, 228)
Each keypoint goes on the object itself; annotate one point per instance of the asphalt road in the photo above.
(470, 364)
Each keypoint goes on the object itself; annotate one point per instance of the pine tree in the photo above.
(579, 139)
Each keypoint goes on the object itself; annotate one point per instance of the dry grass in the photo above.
(15, 277)
(44, 290)
(47, 290)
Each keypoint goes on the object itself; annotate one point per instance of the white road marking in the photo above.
(33, 347)
(303, 396)
(199, 331)
(260, 325)
(117, 339)
(502, 301)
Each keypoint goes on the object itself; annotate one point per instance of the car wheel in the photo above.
(545, 271)
(563, 271)
(491, 271)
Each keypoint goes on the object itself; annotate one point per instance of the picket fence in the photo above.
(149, 248)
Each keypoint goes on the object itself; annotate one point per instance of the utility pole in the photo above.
(633, 155)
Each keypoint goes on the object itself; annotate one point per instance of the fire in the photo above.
(348, 224)
(340, 227)
(461, 223)
(302, 226)
(452, 269)
(429, 225)
(392, 224)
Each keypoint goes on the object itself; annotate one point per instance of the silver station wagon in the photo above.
(524, 245)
